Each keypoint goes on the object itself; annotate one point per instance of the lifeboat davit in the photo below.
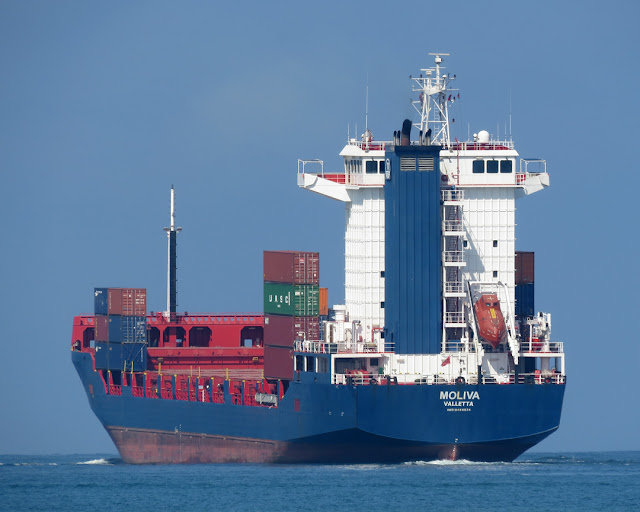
(491, 326)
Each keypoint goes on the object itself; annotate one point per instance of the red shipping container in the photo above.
(278, 363)
(291, 267)
(279, 330)
(282, 331)
(102, 328)
(134, 301)
(127, 301)
(115, 301)
(525, 263)
(306, 328)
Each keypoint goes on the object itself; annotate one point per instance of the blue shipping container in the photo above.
(100, 301)
(413, 266)
(121, 356)
(134, 356)
(108, 356)
(525, 300)
(127, 329)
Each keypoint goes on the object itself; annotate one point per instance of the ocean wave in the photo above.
(97, 462)
(585, 458)
(447, 462)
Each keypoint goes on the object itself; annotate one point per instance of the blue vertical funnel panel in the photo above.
(413, 255)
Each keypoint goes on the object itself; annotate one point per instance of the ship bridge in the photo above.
(476, 186)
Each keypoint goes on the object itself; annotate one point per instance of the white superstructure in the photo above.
(481, 180)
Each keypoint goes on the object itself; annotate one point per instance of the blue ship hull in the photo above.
(322, 422)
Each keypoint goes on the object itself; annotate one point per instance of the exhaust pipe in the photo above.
(406, 133)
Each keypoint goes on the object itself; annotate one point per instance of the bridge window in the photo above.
(505, 166)
(478, 166)
(381, 166)
(492, 166)
(372, 167)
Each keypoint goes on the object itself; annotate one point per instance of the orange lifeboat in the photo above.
(491, 326)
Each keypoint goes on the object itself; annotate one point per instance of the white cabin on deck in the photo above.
(481, 180)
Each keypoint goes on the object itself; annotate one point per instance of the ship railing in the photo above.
(207, 318)
(481, 146)
(454, 317)
(242, 390)
(342, 347)
(538, 377)
(359, 378)
(452, 195)
(369, 145)
(538, 345)
(453, 226)
(453, 287)
(363, 378)
(454, 256)
(459, 346)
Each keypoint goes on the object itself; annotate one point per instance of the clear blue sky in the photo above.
(104, 105)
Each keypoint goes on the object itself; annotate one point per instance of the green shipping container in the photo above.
(291, 299)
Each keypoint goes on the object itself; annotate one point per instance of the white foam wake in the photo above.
(96, 462)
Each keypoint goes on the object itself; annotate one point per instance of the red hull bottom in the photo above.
(137, 446)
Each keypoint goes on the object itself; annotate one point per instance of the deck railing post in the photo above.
(173, 387)
(227, 396)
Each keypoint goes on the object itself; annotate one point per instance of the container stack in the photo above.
(291, 307)
(524, 284)
(121, 328)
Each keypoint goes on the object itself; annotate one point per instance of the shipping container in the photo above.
(115, 301)
(134, 356)
(279, 330)
(134, 301)
(292, 267)
(102, 328)
(323, 308)
(306, 328)
(121, 356)
(282, 331)
(525, 300)
(278, 363)
(291, 299)
(525, 267)
(100, 301)
(127, 329)
(108, 356)
(127, 301)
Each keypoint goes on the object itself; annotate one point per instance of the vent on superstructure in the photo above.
(425, 164)
(408, 164)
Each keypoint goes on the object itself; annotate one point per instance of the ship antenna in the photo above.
(366, 108)
(172, 267)
(433, 102)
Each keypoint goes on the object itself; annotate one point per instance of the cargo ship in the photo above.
(436, 353)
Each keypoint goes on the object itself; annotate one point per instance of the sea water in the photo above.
(535, 482)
